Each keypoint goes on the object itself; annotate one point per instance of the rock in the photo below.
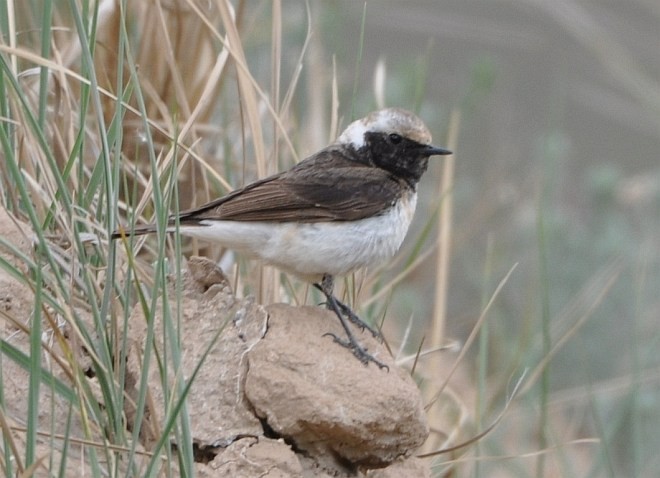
(206, 274)
(216, 405)
(273, 396)
(318, 396)
(253, 457)
(408, 468)
(55, 414)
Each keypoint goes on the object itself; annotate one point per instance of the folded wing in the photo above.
(327, 189)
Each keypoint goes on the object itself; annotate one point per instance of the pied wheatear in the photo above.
(344, 208)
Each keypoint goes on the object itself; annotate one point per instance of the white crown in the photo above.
(389, 120)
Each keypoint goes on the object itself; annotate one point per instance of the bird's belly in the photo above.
(310, 250)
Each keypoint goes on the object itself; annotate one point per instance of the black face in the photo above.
(403, 157)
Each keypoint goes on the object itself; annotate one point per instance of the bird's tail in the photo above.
(136, 231)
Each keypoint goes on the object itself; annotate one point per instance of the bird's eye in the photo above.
(395, 138)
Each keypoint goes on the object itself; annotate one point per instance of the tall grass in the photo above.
(106, 118)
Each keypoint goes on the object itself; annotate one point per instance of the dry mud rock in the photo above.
(16, 314)
(274, 397)
(318, 395)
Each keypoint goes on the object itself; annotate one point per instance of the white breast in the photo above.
(310, 250)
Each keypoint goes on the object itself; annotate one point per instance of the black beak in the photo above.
(431, 150)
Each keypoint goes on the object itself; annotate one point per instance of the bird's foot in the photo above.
(339, 308)
(352, 316)
(343, 312)
(358, 350)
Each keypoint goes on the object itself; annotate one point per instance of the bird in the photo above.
(344, 208)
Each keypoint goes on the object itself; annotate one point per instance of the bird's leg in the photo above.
(339, 309)
(358, 321)
(327, 287)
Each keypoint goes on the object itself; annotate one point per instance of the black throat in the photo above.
(402, 157)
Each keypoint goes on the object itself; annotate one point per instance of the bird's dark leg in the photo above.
(327, 287)
(343, 311)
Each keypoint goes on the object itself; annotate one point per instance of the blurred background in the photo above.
(557, 170)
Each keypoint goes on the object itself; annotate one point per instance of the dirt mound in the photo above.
(272, 396)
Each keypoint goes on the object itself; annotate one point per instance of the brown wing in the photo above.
(322, 188)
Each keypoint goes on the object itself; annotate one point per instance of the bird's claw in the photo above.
(363, 325)
(358, 350)
(352, 316)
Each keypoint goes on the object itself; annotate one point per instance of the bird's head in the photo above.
(392, 139)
